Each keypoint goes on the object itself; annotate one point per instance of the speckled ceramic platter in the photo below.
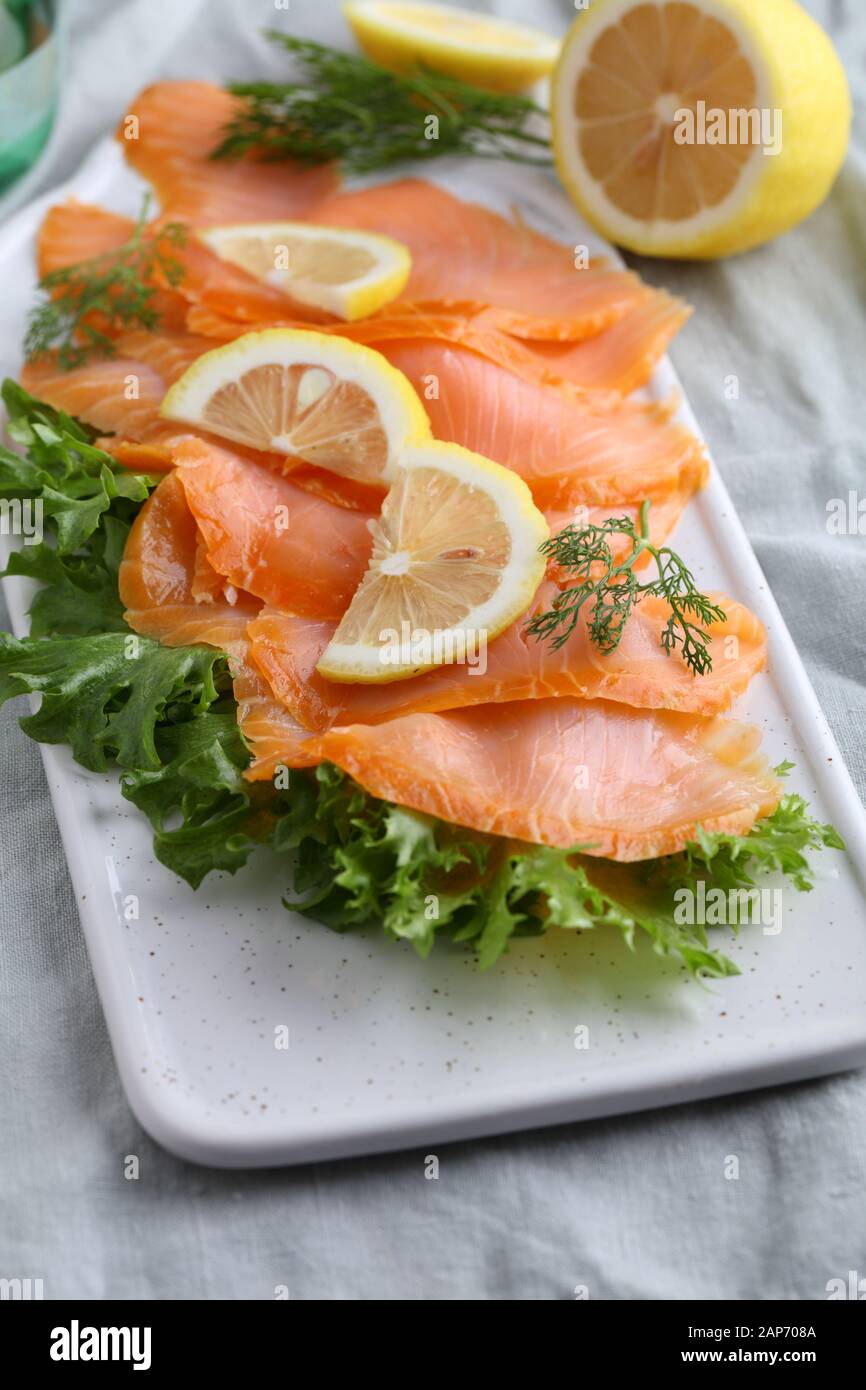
(386, 1051)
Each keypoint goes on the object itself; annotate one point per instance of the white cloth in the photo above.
(633, 1208)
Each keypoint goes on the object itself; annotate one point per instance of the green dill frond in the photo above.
(85, 304)
(344, 107)
(612, 590)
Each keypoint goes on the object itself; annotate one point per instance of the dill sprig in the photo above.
(344, 107)
(612, 590)
(92, 299)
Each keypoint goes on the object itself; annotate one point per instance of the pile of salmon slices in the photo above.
(370, 408)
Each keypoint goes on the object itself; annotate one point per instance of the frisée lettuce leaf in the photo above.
(86, 503)
(362, 862)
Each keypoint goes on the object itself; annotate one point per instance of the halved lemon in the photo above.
(307, 395)
(348, 273)
(489, 52)
(455, 560)
(698, 128)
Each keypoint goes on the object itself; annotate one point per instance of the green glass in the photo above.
(29, 79)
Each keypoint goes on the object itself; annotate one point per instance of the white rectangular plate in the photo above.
(388, 1051)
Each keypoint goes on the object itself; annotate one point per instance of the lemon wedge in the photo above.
(489, 52)
(698, 128)
(310, 396)
(455, 560)
(346, 272)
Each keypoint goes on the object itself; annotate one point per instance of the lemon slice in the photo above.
(307, 395)
(489, 52)
(348, 273)
(455, 560)
(698, 128)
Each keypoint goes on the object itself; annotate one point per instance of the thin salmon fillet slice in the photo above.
(515, 666)
(162, 577)
(274, 738)
(158, 578)
(623, 359)
(568, 451)
(290, 547)
(610, 365)
(72, 232)
(599, 371)
(169, 354)
(121, 395)
(174, 129)
(138, 458)
(114, 395)
(622, 783)
(462, 251)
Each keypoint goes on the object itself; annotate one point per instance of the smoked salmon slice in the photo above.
(168, 135)
(274, 738)
(622, 783)
(114, 395)
(623, 359)
(463, 252)
(290, 547)
(121, 395)
(157, 579)
(73, 232)
(614, 363)
(169, 354)
(515, 666)
(600, 370)
(161, 575)
(568, 451)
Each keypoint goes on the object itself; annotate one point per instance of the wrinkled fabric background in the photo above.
(633, 1208)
